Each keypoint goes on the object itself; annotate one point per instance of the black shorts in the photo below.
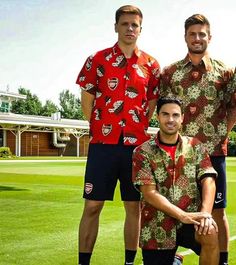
(185, 238)
(218, 162)
(106, 164)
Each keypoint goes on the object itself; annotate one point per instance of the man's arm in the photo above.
(152, 105)
(208, 197)
(153, 197)
(208, 194)
(231, 113)
(87, 101)
(231, 106)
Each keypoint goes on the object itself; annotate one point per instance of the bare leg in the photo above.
(209, 249)
(220, 217)
(89, 223)
(132, 225)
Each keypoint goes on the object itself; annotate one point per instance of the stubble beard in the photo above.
(191, 51)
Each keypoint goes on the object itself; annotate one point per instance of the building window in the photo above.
(5, 106)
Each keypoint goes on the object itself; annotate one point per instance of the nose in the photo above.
(130, 27)
(197, 36)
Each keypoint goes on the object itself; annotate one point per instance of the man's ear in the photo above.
(209, 38)
(115, 27)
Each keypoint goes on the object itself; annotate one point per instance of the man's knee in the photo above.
(92, 208)
(208, 240)
(132, 208)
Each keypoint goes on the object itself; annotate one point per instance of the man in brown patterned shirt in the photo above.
(177, 182)
(202, 83)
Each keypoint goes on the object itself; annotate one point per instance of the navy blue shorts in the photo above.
(218, 162)
(185, 238)
(106, 164)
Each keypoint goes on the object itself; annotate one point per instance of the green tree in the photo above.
(154, 122)
(49, 108)
(70, 106)
(31, 105)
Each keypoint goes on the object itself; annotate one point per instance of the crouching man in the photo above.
(177, 183)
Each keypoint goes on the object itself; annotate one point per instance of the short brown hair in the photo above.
(196, 19)
(128, 9)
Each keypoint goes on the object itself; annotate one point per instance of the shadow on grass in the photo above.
(7, 188)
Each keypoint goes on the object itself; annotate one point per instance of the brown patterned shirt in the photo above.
(205, 96)
(176, 180)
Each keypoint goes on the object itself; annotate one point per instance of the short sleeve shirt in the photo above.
(176, 180)
(205, 96)
(231, 114)
(122, 88)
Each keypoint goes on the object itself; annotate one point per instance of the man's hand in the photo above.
(194, 217)
(207, 225)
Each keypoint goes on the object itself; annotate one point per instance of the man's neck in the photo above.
(168, 139)
(127, 49)
(196, 58)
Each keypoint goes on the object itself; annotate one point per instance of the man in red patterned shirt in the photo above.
(119, 89)
(177, 182)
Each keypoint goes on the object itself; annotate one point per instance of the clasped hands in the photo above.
(203, 222)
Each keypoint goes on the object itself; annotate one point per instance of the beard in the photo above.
(192, 51)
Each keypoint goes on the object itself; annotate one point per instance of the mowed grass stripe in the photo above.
(41, 204)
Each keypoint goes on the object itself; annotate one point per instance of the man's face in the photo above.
(170, 119)
(128, 28)
(197, 39)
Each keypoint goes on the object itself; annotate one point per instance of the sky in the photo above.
(44, 43)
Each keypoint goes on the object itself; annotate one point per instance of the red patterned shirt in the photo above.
(176, 180)
(205, 96)
(122, 89)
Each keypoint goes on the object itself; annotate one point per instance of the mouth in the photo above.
(197, 45)
(170, 126)
(130, 35)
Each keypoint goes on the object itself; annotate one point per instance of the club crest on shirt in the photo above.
(88, 188)
(106, 129)
(113, 83)
(195, 74)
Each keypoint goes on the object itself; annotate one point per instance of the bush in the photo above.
(5, 152)
(232, 144)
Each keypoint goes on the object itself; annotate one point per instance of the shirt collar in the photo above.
(116, 50)
(180, 140)
(206, 62)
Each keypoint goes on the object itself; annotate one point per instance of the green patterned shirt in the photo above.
(176, 180)
(206, 97)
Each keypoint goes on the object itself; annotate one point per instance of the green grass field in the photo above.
(40, 208)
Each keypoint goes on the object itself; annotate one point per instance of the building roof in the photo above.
(11, 121)
(11, 95)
